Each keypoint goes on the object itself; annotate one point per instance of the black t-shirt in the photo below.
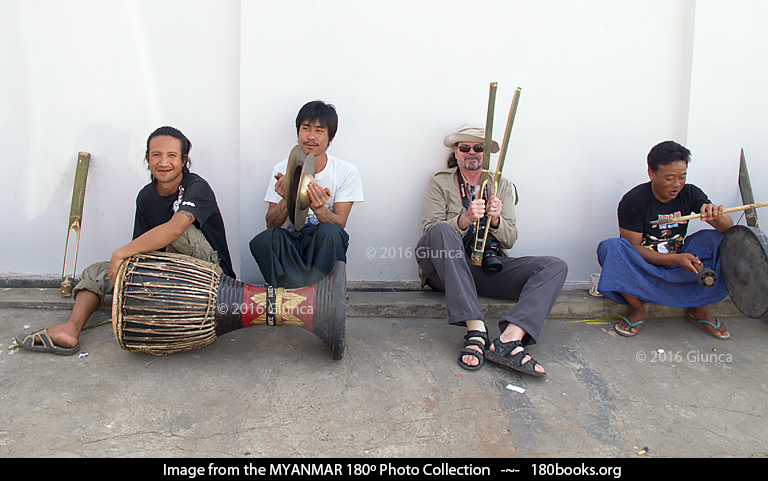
(194, 196)
(639, 207)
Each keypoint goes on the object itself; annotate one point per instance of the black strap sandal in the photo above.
(503, 356)
(467, 351)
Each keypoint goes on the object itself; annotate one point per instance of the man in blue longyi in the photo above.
(655, 262)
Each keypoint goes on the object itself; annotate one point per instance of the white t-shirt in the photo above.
(341, 177)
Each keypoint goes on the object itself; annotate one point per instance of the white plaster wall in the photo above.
(602, 82)
(100, 77)
(729, 103)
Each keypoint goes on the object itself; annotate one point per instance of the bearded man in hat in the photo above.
(451, 209)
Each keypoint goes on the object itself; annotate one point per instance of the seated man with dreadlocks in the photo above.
(176, 211)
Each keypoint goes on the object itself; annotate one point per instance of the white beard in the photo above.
(472, 164)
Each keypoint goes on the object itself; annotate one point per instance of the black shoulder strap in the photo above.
(465, 201)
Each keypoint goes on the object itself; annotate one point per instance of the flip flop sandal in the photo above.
(700, 324)
(45, 344)
(513, 361)
(627, 332)
(466, 351)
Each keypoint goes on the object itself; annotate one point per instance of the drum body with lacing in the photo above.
(168, 303)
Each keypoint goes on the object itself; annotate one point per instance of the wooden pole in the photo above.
(477, 251)
(672, 220)
(507, 134)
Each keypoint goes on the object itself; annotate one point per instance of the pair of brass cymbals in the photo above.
(299, 173)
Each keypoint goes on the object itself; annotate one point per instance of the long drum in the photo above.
(166, 303)
(744, 268)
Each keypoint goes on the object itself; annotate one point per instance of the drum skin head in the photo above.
(744, 267)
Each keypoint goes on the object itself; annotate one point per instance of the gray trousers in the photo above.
(534, 282)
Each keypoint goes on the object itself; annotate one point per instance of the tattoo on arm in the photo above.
(276, 214)
(325, 216)
(189, 216)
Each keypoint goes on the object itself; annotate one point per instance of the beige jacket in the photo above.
(443, 204)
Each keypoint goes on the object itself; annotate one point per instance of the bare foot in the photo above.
(633, 316)
(68, 333)
(702, 314)
(636, 313)
(62, 335)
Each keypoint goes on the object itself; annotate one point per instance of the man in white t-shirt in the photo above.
(290, 258)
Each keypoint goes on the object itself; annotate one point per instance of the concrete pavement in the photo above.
(398, 391)
(417, 303)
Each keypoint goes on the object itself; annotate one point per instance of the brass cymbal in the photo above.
(298, 174)
(292, 177)
(302, 197)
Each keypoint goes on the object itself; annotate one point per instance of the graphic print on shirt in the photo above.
(179, 199)
(666, 243)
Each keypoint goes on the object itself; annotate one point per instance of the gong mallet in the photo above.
(682, 218)
(706, 276)
(75, 220)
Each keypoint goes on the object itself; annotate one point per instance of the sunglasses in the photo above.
(466, 148)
